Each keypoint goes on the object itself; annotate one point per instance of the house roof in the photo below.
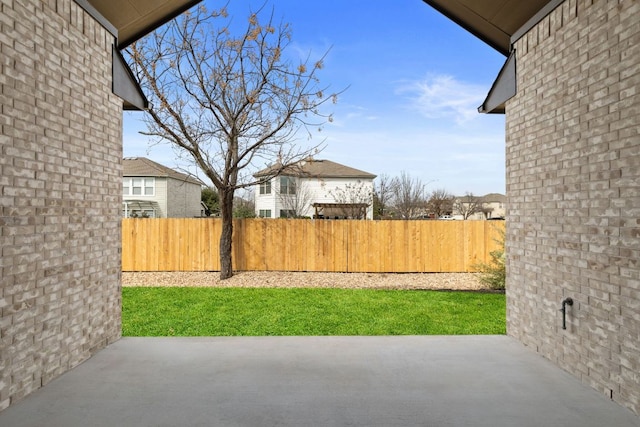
(493, 21)
(134, 18)
(487, 198)
(141, 166)
(494, 197)
(316, 168)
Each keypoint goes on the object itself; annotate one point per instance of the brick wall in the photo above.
(573, 186)
(60, 193)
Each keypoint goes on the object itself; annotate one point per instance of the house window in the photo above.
(264, 213)
(287, 213)
(138, 186)
(287, 185)
(265, 187)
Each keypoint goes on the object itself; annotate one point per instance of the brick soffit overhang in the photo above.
(499, 24)
(128, 21)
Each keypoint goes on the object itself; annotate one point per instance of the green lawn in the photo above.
(264, 312)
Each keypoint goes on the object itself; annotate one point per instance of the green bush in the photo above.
(494, 273)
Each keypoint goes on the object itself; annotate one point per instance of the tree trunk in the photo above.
(226, 212)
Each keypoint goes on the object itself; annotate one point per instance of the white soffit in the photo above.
(493, 21)
(135, 18)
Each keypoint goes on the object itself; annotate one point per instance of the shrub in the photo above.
(494, 273)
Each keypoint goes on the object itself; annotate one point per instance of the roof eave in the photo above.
(502, 46)
(503, 88)
(141, 32)
(125, 84)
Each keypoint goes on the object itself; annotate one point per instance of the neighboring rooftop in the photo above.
(494, 197)
(141, 166)
(488, 198)
(316, 168)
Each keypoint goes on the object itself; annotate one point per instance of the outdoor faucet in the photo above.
(565, 303)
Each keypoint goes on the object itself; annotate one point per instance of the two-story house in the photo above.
(317, 189)
(494, 206)
(152, 190)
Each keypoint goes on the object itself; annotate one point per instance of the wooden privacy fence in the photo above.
(191, 244)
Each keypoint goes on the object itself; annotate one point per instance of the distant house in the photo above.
(493, 206)
(489, 206)
(316, 189)
(152, 190)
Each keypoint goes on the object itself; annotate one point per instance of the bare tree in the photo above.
(440, 202)
(467, 205)
(298, 201)
(383, 194)
(408, 200)
(354, 199)
(228, 102)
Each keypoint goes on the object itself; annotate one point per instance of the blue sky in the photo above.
(415, 81)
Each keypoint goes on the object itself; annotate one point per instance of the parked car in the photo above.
(446, 217)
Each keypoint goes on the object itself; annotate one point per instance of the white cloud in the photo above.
(442, 96)
(450, 158)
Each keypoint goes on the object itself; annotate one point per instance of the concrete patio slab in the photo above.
(317, 381)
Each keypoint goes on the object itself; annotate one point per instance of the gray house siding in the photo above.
(573, 188)
(161, 197)
(60, 193)
(183, 199)
(158, 200)
(172, 198)
(175, 195)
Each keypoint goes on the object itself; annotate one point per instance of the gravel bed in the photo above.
(271, 279)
